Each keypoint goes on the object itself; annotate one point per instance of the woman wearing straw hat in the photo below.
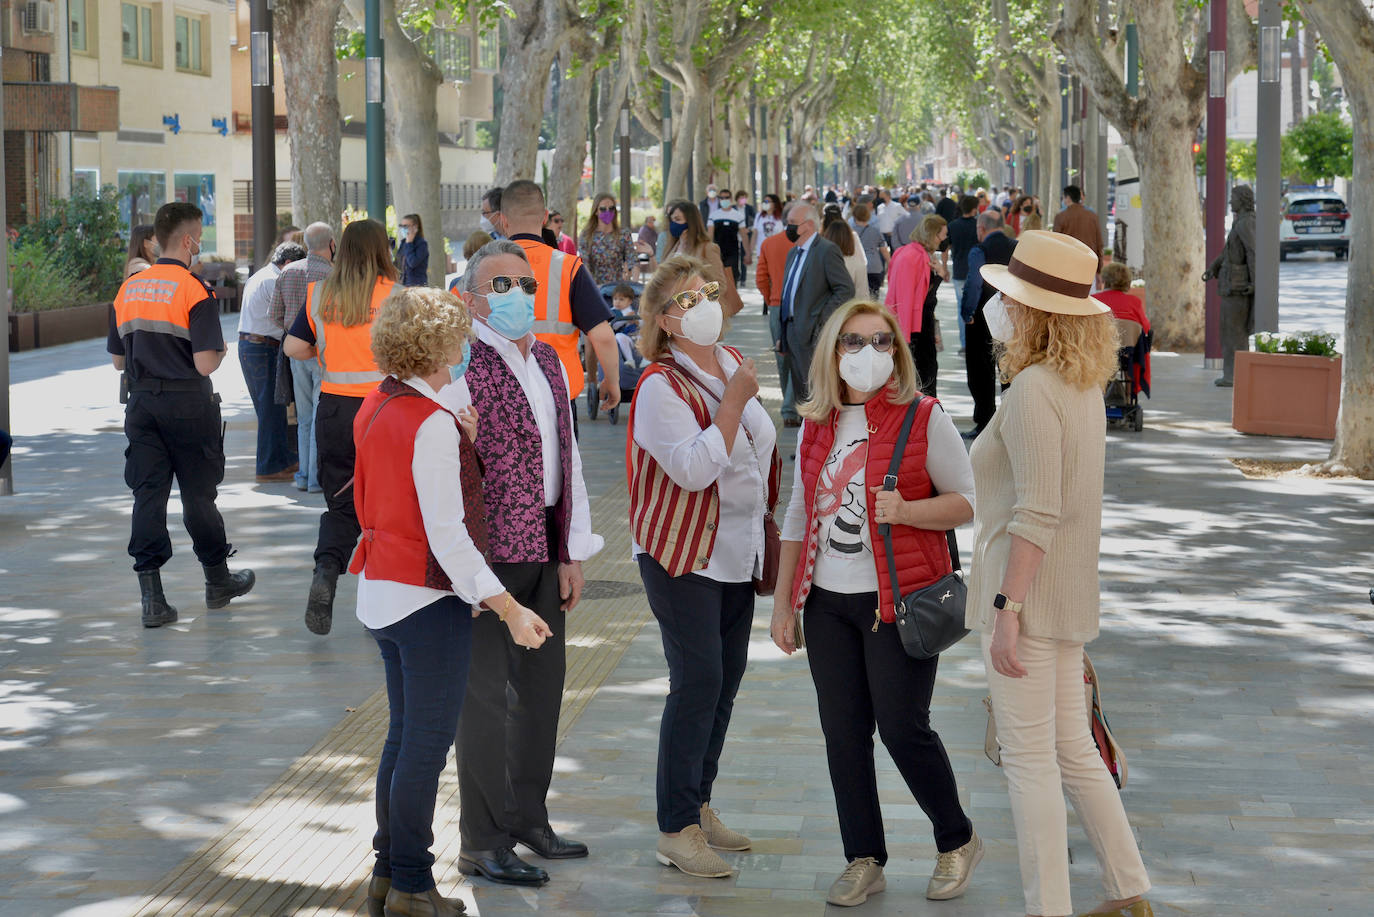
(1034, 592)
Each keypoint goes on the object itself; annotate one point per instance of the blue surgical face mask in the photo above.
(512, 313)
(456, 372)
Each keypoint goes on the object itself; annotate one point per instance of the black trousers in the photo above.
(981, 370)
(865, 678)
(927, 359)
(339, 527)
(705, 629)
(174, 434)
(509, 725)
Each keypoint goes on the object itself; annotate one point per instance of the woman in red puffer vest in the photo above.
(862, 383)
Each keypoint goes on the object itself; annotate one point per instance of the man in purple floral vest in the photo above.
(540, 532)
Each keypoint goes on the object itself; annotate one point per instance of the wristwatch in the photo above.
(1002, 603)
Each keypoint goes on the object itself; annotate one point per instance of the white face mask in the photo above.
(766, 207)
(701, 324)
(999, 322)
(868, 370)
(486, 226)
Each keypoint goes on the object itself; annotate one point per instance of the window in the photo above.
(140, 194)
(188, 35)
(80, 30)
(453, 53)
(137, 23)
(199, 188)
(85, 182)
(489, 50)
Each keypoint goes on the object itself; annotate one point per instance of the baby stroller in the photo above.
(1122, 396)
(626, 328)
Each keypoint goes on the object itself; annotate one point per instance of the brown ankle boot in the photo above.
(422, 904)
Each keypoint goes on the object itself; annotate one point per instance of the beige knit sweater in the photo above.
(1037, 470)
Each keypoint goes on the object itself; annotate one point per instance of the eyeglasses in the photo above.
(853, 343)
(709, 291)
(610, 209)
(503, 284)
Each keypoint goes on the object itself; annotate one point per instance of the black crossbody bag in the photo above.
(931, 619)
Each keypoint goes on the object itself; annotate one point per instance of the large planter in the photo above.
(1284, 394)
(29, 330)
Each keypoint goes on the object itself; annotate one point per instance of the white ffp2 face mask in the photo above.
(868, 370)
(999, 322)
(701, 324)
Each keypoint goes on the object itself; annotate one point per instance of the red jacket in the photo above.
(922, 556)
(393, 545)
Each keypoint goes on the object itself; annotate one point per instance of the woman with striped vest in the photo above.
(704, 471)
(335, 327)
(422, 577)
(863, 383)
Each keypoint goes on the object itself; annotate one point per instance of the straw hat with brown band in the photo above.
(1049, 271)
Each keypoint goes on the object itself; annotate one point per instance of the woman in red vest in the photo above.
(860, 394)
(704, 473)
(422, 569)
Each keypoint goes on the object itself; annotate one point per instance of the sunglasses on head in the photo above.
(709, 291)
(853, 343)
(503, 284)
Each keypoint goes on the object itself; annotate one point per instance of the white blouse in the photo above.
(693, 458)
(438, 484)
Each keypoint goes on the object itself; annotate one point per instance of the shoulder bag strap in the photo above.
(890, 483)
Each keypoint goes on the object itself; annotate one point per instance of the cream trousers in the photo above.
(1047, 751)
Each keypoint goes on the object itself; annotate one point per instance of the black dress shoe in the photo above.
(500, 865)
(550, 846)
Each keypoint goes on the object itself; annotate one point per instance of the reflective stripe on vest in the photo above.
(350, 382)
(553, 298)
(553, 322)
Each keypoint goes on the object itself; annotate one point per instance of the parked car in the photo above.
(1314, 221)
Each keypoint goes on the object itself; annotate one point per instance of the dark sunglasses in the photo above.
(503, 284)
(688, 298)
(853, 343)
(610, 209)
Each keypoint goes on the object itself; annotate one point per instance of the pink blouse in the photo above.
(908, 280)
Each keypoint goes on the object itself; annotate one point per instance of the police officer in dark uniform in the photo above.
(165, 336)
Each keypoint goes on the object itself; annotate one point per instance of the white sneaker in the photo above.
(719, 836)
(953, 870)
(861, 878)
(690, 853)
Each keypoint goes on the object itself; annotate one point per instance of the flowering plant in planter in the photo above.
(1306, 343)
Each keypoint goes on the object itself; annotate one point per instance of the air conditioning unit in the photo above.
(37, 17)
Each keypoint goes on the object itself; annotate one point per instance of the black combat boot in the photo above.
(156, 611)
(319, 608)
(221, 585)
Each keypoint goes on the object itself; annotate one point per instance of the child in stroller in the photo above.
(623, 299)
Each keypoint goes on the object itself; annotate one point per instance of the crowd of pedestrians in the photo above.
(441, 427)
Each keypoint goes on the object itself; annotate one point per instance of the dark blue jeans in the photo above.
(426, 655)
(705, 627)
(275, 449)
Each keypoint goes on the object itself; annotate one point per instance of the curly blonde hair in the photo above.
(672, 277)
(823, 381)
(417, 331)
(1082, 349)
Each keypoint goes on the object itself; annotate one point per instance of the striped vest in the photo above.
(677, 527)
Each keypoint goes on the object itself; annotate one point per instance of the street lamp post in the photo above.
(626, 189)
(1267, 155)
(1216, 171)
(7, 468)
(264, 132)
(376, 124)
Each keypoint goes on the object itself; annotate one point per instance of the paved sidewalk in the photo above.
(141, 770)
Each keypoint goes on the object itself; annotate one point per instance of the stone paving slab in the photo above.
(1234, 656)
